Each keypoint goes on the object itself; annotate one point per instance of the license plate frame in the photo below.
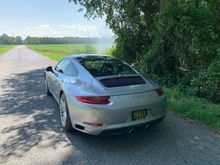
(138, 115)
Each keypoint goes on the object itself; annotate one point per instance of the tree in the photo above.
(130, 20)
(65, 40)
(4, 39)
(17, 40)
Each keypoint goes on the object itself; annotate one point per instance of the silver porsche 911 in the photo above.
(102, 95)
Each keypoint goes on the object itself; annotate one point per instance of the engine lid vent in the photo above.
(122, 81)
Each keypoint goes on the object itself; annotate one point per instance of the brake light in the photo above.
(94, 99)
(94, 124)
(159, 91)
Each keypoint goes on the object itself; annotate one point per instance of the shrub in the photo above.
(207, 83)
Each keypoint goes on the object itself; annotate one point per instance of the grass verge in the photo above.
(5, 48)
(197, 109)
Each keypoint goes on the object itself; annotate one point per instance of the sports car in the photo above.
(103, 95)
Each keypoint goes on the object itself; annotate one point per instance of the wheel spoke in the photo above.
(63, 111)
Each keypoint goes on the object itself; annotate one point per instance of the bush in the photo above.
(184, 52)
(109, 51)
(207, 83)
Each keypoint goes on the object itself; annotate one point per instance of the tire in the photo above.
(47, 89)
(64, 114)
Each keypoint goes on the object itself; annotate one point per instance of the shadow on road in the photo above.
(30, 119)
(125, 148)
(28, 114)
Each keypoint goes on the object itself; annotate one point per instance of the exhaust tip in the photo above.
(147, 126)
(131, 131)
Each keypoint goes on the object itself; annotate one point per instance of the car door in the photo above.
(58, 76)
(50, 81)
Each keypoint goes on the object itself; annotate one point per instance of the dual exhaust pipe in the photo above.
(132, 130)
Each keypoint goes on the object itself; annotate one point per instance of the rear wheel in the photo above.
(64, 114)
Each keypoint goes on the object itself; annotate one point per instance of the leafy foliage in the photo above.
(128, 20)
(207, 83)
(184, 49)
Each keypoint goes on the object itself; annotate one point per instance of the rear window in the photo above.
(106, 66)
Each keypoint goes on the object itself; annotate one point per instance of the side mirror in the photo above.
(61, 71)
(49, 69)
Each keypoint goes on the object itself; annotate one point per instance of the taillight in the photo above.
(94, 124)
(159, 91)
(94, 99)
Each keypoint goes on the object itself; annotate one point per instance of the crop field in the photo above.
(5, 48)
(58, 51)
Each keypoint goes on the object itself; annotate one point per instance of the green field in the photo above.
(5, 48)
(58, 51)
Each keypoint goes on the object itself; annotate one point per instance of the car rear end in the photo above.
(124, 103)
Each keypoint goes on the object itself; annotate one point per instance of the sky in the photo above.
(51, 18)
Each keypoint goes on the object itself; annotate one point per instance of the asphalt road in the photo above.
(30, 130)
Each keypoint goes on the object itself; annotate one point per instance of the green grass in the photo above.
(58, 51)
(5, 48)
(197, 109)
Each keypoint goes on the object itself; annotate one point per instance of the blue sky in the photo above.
(57, 18)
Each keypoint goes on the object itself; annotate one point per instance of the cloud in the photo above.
(8, 31)
(64, 30)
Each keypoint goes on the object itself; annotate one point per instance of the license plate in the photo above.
(137, 115)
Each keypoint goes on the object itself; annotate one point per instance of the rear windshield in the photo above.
(106, 66)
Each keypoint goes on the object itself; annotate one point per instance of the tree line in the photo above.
(175, 42)
(7, 40)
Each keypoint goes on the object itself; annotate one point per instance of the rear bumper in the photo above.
(116, 117)
(124, 130)
(121, 128)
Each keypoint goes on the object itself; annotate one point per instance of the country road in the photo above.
(30, 129)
